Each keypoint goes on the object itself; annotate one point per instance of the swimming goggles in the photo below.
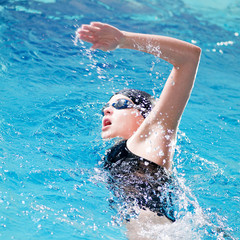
(120, 104)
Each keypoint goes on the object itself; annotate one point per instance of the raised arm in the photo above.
(154, 139)
(182, 55)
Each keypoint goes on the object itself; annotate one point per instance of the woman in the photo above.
(148, 129)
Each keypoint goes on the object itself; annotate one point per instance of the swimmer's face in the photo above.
(120, 122)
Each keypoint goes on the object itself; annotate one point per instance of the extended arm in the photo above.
(182, 55)
(165, 117)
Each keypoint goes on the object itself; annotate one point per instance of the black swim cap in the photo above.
(140, 98)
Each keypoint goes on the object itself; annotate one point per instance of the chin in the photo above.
(110, 135)
(106, 135)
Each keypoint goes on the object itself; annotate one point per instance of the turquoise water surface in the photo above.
(51, 93)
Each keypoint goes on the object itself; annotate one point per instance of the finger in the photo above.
(97, 24)
(85, 32)
(103, 47)
(96, 46)
(100, 46)
(87, 38)
(90, 28)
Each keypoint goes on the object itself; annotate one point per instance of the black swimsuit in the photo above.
(139, 181)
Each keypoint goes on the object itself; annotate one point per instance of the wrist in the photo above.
(124, 40)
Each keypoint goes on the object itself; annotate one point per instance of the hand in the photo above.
(102, 36)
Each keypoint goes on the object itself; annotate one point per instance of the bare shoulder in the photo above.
(154, 142)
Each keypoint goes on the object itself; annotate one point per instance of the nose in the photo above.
(108, 110)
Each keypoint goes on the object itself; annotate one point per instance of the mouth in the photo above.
(106, 123)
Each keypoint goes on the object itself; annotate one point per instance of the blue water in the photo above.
(51, 183)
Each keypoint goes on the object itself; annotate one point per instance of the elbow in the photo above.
(193, 57)
(197, 53)
(190, 57)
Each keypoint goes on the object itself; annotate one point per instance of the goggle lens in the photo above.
(119, 104)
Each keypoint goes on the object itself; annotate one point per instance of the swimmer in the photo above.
(142, 161)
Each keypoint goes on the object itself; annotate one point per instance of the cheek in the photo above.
(131, 120)
(135, 113)
(137, 116)
(122, 120)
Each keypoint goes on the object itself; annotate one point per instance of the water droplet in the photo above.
(160, 153)
(167, 137)
(146, 163)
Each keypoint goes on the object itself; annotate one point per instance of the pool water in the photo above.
(51, 91)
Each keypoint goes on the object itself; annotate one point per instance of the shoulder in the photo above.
(156, 146)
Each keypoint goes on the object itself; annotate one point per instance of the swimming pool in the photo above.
(52, 186)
